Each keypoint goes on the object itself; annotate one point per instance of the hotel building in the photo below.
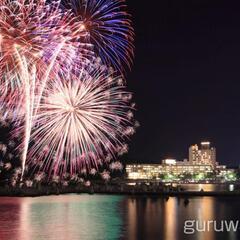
(154, 171)
(201, 161)
(206, 155)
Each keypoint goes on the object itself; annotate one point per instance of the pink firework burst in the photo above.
(36, 42)
(82, 119)
(73, 113)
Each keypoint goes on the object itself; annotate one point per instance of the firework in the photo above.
(26, 34)
(74, 177)
(73, 112)
(35, 40)
(65, 183)
(17, 171)
(108, 27)
(93, 171)
(21, 46)
(3, 148)
(39, 177)
(33, 33)
(116, 166)
(8, 150)
(29, 183)
(17, 38)
(82, 119)
(8, 166)
(13, 182)
(87, 183)
(55, 179)
(106, 175)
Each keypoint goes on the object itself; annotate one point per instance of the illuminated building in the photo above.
(155, 171)
(205, 155)
(169, 161)
(201, 164)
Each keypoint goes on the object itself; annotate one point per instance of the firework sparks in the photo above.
(34, 41)
(21, 44)
(39, 177)
(73, 112)
(28, 183)
(116, 166)
(108, 27)
(93, 171)
(106, 175)
(8, 166)
(79, 121)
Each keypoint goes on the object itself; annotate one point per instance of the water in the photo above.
(209, 187)
(96, 217)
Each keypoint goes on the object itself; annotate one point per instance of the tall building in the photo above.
(205, 155)
(202, 161)
(194, 154)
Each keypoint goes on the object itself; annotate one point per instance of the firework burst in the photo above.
(73, 113)
(82, 119)
(108, 27)
(35, 41)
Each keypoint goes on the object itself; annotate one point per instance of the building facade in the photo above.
(205, 155)
(202, 163)
(157, 171)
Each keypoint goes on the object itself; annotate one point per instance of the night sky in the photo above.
(186, 78)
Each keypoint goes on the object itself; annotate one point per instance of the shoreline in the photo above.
(109, 190)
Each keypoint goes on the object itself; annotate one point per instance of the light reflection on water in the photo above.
(96, 217)
(206, 187)
(60, 217)
(159, 218)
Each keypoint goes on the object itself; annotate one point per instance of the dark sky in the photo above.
(186, 78)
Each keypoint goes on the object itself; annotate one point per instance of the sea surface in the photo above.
(96, 217)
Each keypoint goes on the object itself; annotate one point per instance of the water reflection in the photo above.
(96, 217)
(205, 187)
(159, 218)
(9, 218)
(170, 215)
(60, 218)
